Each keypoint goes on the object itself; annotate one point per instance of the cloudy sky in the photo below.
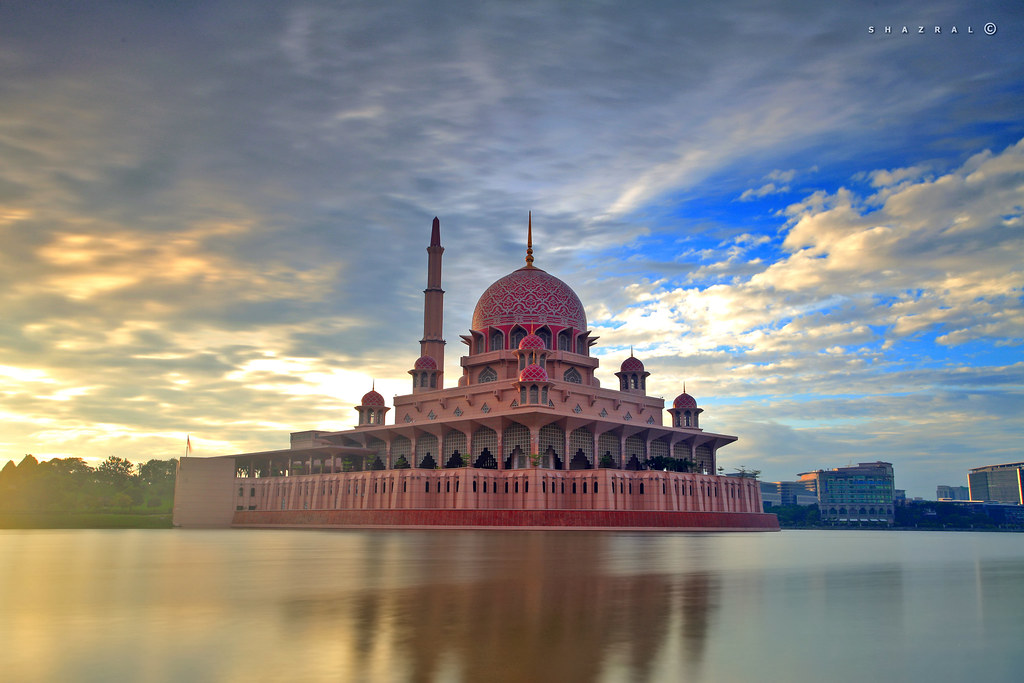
(213, 215)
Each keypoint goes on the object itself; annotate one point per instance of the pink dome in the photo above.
(684, 400)
(632, 364)
(425, 363)
(533, 373)
(372, 398)
(529, 296)
(531, 342)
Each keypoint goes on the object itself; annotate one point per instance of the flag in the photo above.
(188, 445)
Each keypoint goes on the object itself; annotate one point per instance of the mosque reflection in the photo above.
(535, 607)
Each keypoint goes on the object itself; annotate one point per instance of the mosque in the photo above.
(527, 438)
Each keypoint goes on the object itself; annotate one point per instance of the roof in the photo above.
(529, 296)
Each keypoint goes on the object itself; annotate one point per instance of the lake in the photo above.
(258, 605)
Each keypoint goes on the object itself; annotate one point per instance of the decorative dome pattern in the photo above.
(425, 363)
(533, 373)
(372, 398)
(529, 296)
(684, 400)
(632, 364)
(531, 342)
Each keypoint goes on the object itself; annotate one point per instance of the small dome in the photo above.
(684, 400)
(531, 342)
(372, 398)
(632, 364)
(533, 373)
(425, 363)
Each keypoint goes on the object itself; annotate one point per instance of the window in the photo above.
(497, 341)
(572, 375)
(516, 337)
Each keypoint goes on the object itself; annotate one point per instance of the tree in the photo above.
(744, 472)
(28, 465)
(158, 472)
(9, 472)
(117, 471)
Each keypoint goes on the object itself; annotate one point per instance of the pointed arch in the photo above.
(545, 334)
(497, 340)
(515, 336)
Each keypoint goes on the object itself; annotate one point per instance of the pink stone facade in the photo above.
(527, 437)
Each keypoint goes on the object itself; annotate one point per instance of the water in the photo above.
(219, 605)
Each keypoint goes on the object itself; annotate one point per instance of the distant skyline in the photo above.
(214, 215)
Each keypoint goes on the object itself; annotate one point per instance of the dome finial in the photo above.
(529, 240)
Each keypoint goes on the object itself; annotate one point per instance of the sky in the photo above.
(214, 215)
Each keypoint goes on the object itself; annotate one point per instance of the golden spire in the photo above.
(529, 241)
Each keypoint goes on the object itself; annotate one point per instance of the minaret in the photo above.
(432, 344)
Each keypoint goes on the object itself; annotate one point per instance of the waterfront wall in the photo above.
(522, 519)
(203, 492)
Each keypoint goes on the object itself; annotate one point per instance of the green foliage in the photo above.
(745, 473)
(796, 516)
(115, 470)
(606, 461)
(69, 486)
(667, 464)
(401, 463)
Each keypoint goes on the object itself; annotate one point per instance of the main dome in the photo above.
(529, 296)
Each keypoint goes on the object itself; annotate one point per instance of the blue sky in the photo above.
(213, 215)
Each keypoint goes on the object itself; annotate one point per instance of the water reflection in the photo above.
(509, 606)
(527, 607)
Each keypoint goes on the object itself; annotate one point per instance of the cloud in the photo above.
(937, 258)
(763, 191)
(185, 196)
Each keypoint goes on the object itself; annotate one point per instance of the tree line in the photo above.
(72, 485)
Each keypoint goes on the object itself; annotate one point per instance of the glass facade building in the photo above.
(997, 483)
(862, 493)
